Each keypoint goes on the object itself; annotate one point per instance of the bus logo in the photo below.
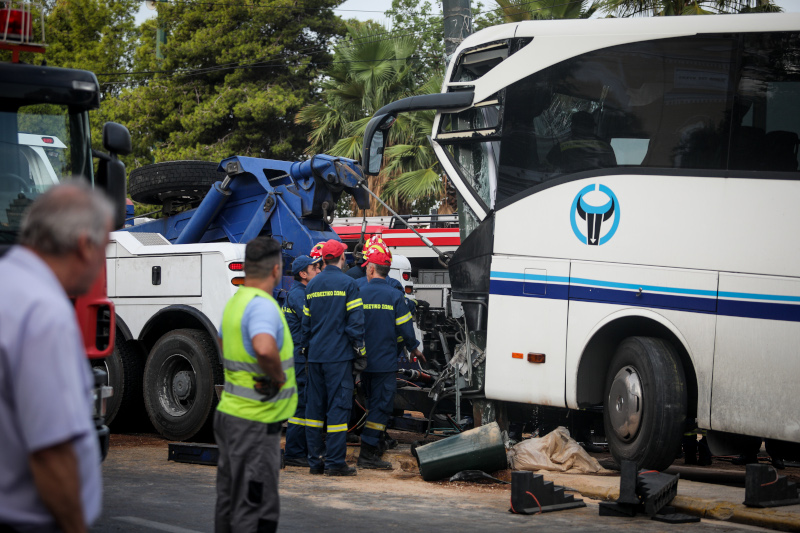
(594, 217)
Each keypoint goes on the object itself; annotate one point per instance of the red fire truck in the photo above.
(45, 140)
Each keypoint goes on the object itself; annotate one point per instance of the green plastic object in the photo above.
(481, 448)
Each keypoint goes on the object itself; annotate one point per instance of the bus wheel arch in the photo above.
(601, 353)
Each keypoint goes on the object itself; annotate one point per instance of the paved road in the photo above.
(144, 492)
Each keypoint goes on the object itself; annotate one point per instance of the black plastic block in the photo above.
(531, 494)
(656, 489)
(763, 487)
(627, 483)
(617, 509)
(198, 454)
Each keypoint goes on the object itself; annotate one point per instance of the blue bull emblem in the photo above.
(594, 216)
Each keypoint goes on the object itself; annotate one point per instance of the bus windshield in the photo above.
(41, 145)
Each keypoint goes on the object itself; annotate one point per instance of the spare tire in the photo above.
(181, 181)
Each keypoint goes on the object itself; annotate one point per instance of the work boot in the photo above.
(316, 471)
(296, 461)
(341, 471)
(387, 443)
(370, 457)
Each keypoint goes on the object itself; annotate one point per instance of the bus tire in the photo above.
(125, 369)
(185, 181)
(645, 403)
(179, 380)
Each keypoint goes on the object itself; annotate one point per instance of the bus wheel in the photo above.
(645, 403)
(125, 369)
(179, 380)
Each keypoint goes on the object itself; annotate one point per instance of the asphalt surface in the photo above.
(145, 492)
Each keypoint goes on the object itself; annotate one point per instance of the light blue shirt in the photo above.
(260, 316)
(45, 388)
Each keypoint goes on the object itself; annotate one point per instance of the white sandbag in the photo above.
(556, 451)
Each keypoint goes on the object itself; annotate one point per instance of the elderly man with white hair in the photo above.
(50, 461)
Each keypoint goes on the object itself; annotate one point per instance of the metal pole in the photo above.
(457, 18)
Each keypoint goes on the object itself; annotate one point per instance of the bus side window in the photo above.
(659, 104)
(767, 121)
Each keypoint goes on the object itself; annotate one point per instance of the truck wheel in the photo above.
(645, 403)
(180, 181)
(179, 380)
(125, 369)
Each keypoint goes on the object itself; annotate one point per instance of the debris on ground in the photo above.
(477, 476)
(556, 451)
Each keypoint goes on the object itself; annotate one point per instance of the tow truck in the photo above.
(170, 277)
(45, 140)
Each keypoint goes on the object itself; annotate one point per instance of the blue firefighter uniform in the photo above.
(333, 323)
(386, 319)
(357, 272)
(296, 429)
(412, 305)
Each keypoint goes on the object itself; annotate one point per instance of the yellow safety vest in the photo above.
(240, 398)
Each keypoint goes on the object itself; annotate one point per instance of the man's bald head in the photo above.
(59, 218)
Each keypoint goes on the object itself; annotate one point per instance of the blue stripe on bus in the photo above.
(724, 307)
(645, 299)
(602, 283)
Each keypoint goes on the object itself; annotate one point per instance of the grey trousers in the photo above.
(247, 475)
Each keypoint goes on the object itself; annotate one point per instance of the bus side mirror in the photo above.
(116, 138)
(375, 138)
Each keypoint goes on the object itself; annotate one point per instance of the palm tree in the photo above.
(368, 72)
(519, 10)
(629, 8)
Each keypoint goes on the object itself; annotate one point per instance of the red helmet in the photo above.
(316, 250)
(376, 244)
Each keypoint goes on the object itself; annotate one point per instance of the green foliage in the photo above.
(519, 10)
(368, 72)
(411, 17)
(628, 8)
(231, 79)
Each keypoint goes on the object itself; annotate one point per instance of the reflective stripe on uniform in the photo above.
(373, 425)
(314, 423)
(251, 394)
(241, 366)
(297, 421)
(400, 338)
(352, 304)
(287, 310)
(403, 319)
(337, 428)
(306, 311)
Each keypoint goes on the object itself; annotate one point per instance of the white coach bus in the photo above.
(629, 197)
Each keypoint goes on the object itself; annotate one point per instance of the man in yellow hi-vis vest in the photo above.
(260, 393)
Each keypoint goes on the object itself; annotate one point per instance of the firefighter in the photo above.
(333, 335)
(304, 268)
(386, 320)
(316, 251)
(259, 395)
(376, 240)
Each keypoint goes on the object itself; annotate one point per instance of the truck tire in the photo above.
(125, 369)
(186, 181)
(179, 380)
(645, 403)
